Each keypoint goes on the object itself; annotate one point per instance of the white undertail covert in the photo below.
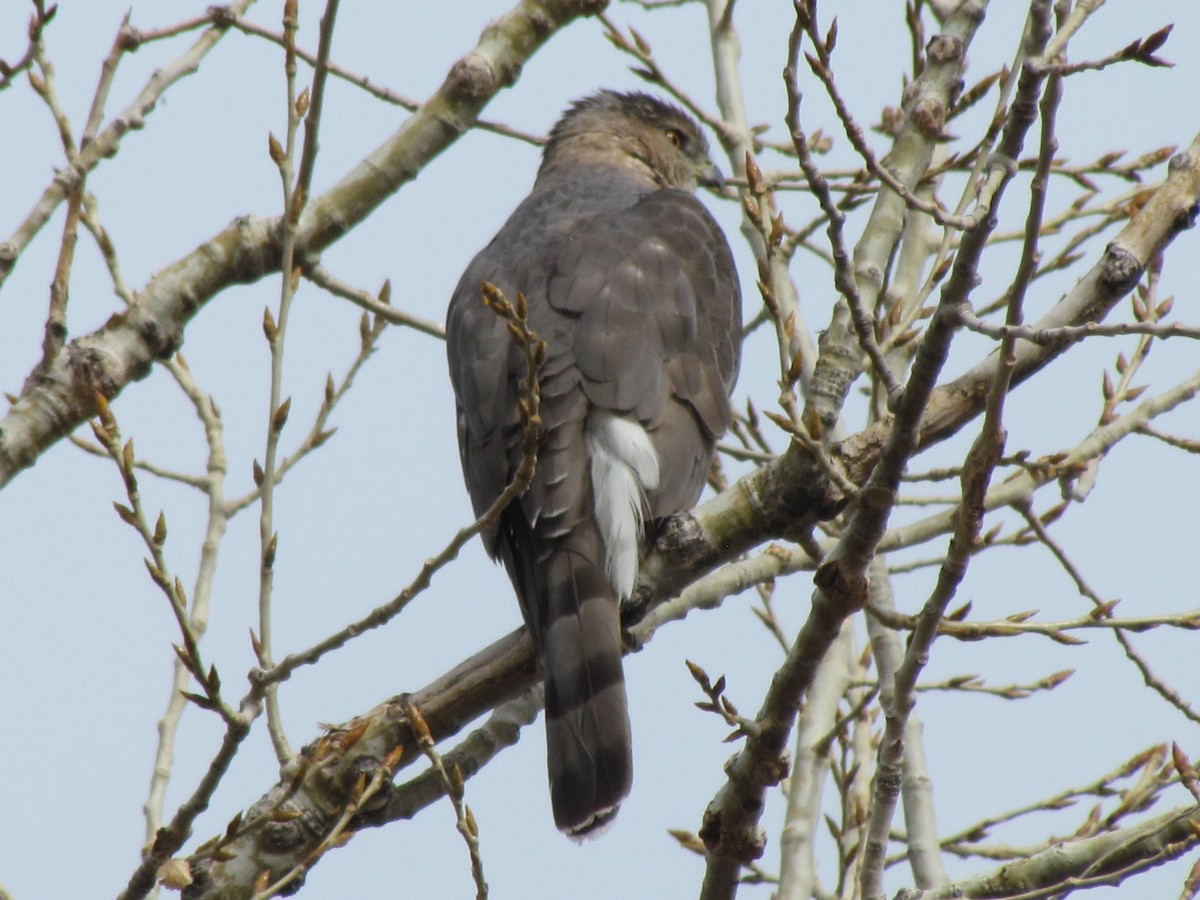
(624, 467)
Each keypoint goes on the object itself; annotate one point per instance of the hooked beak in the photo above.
(709, 176)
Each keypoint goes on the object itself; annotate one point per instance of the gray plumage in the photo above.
(632, 286)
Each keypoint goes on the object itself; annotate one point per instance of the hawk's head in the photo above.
(634, 131)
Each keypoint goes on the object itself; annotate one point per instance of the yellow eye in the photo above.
(676, 137)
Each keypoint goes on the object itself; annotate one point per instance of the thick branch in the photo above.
(289, 821)
(1107, 859)
(926, 105)
(1172, 209)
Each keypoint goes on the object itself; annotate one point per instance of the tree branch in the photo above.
(125, 348)
(1107, 859)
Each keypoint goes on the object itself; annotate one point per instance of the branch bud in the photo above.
(281, 415)
(275, 149)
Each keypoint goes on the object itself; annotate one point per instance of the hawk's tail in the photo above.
(588, 748)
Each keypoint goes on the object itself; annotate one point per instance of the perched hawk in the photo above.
(631, 284)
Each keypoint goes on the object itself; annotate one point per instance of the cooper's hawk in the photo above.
(632, 286)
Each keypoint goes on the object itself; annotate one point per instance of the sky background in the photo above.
(85, 637)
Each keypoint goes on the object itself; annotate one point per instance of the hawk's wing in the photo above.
(653, 295)
(641, 313)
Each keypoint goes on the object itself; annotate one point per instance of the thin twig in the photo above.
(275, 329)
(1068, 334)
(55, 336)
(198, 611)
(844, 277)
(533, 350)
(108, 140)
(1119, 626)
(820, 68)
(361, 81)
(312, 123)
(41, 17)
(376, 305)
(453, 780)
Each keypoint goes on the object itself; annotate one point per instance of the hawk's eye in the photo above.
(676, 137)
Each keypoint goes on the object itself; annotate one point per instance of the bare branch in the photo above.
(912, 152)
(125, 347)
(275, 329)
(1069, 334)
(107, 142)
(1105, 859)
(37, 24)
(377, 306)
(530, 400)
(362, 81)
(452, 779)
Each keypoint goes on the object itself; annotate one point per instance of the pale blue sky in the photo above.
(85, 637)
